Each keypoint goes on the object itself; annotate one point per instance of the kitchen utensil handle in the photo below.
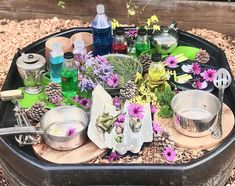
(217, 133)
(20, 130)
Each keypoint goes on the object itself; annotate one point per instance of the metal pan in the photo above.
(62, 128)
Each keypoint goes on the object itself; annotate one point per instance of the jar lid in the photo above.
(68, 55)
(156, 57)
(119, 31)
(31, 61)
(142, 32)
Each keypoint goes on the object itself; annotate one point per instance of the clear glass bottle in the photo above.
(132, 49)
(69, 76)
(142, 42)
(157, 72)
(102, 33)
(79, 47)
(119, 41)
(56, 62)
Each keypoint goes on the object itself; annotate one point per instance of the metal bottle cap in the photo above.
(156, 57)
(31, 61)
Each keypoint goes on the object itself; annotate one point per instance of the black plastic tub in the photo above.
(24, 168)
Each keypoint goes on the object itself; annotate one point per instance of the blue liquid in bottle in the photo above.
(56, 62)
(102, 33)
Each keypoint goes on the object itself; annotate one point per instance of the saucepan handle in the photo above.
(20, 130)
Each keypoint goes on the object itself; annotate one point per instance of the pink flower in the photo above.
(209, 74)
(177, 119)
(171, 62)
(120, 119)
(86, 103)
(113, 80)
(71, 132)
(197, 84)
(169, 153)
(113, 156)
(195, 69)
(117, 101)
(157, 128)
(136, 110)
(153, 108)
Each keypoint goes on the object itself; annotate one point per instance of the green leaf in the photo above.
(189, 52)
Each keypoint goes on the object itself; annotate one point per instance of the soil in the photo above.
(18, 34)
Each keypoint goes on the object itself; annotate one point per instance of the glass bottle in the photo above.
(156, 73)
(102, 33)
(56, 62)
(132, 49)
(79, 50)
(142, 42)
(69, 76)
(119, 41)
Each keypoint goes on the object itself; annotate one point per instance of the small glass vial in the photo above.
(119, 41)
(142, 42)
(157, 73)
(69, 76)
(56, 61)
(79, 50)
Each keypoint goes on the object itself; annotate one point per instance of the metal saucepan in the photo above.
(62, 128)
(195, 112)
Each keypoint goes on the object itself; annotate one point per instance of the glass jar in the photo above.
(156, 72)
(142, 42)
(119, 41)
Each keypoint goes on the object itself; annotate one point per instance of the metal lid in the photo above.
(156, 57)
(68, 55)
(119, 31)
(31, 61)
(142, 32)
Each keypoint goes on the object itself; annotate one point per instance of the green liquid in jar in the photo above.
(141, 47)
(69, 82)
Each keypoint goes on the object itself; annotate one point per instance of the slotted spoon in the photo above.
(221, 81)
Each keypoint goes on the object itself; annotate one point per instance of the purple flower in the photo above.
(113, 156)
(197, 84)
(209, 74)
(136, 110)
(171, 62)
(120, 120)
(169, 153)
(113, 81)
(57, 100)
(82, 68)
(131, 33)
(80, 76)
(153, 108)
(102, 60)
(86, 84)
(195, 69)
(77, 98)
(117, 101)
(86, 103)
(157, 128)
(71, 131)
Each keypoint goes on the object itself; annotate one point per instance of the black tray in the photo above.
(23, 167)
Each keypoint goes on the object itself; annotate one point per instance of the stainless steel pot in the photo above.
(31, 67)
(63, 128)
(166, 39)
(195, 112)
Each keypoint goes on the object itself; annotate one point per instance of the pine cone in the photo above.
(202, 56)
(35, 113)
(163, 140)
(52, 91)
(3, 179)
(129, 91)
(145, 60)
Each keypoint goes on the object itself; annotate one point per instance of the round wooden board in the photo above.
(206, 142)
(85, 153)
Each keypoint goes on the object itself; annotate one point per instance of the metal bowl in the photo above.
(195, 112)
(58, 121)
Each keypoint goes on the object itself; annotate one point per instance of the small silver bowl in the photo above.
(58, 122)
(195, 112)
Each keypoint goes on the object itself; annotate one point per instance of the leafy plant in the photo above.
(61, 4)
(164, 100)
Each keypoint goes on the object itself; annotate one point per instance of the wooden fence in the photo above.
(219, 16)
